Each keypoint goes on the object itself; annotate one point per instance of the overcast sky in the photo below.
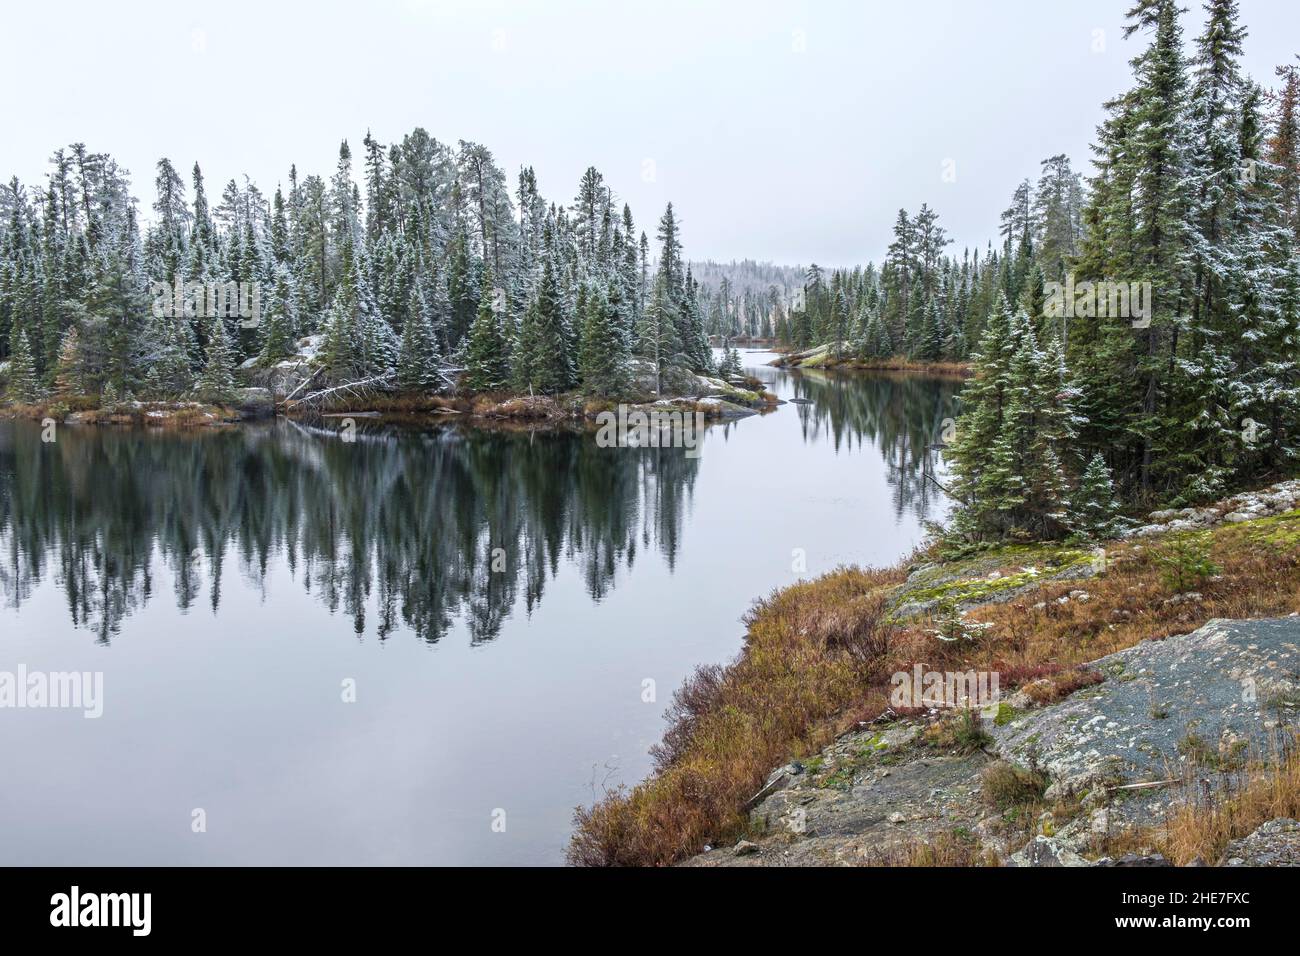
(782, 131)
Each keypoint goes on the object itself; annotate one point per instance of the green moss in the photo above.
(874, 745)
(961, 591)
(1277, 532)
(1006, 713)
(971, 582)
(840, 779)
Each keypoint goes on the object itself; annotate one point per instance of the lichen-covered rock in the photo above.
(1276, 843)
(1275, 500)
(1173, 718)
(1207, 699)
(1046, 851)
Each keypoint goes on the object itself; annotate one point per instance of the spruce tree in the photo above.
(24, 386)
(217, 383)
(276, 325)
(419, 361)
(486, 366)
(169, 373)
(604, 357)
(1094, 511)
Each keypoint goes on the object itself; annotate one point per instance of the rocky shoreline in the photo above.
(1115, 762)
(286, 389)
(1147, 715)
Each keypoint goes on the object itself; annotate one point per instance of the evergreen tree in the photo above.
(419, 360)
(24, 386)
(1095, 512)
(217, 382)
(169, 373)
(486, 363)
(604, 358)
(276, 323)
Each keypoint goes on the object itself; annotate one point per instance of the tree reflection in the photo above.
(900, 414)
(435, 524)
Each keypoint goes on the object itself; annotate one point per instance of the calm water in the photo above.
(233, 588)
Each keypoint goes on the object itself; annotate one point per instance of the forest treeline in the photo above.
(427, 264)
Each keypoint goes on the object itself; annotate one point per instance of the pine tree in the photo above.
(69, 376)
(338, 352)
(24, 386)
(486, 365)
(419, 360)
(276, 324)
(1094, 511)
(217, 383)
(169, 373)
(604, 357)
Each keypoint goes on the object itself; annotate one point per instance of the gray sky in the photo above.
(781, 130)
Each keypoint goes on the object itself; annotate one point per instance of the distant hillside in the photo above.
(756, 278)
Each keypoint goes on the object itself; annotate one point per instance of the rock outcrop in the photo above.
(1274, 500)
(1276, 843)
(1172, 719)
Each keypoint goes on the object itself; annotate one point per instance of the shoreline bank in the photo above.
(481, 409)
(825, 357)
(804, 712)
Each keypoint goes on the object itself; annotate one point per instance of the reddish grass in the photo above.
(818, 655)
(808, 653)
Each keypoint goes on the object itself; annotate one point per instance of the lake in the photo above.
(416, 647)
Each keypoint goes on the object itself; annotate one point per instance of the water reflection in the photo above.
(436, 523)
(902, 415)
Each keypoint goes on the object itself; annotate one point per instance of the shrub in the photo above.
(1184, 562)
(1007, 786)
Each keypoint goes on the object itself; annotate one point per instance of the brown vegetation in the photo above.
(818, 655)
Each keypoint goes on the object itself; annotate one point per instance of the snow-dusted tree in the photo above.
(339, 350)
(604, 359)
(69, 374)
(419, 359)
(217, 382)
(276, 323)
(1094, 512)
(170, 375)
(24, 386)
(1016, 429)
(486, 365)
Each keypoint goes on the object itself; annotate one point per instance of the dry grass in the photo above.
(894, 364)
(948, 848)
(956, 369)
(53, 407)
(1203, 829)
(1006, 786)
(809, 651)
(818, 656)
(1256, 576)
(525, 407)
(165, 415)
(400, 403)
(1266, 788)
(1054, 687)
